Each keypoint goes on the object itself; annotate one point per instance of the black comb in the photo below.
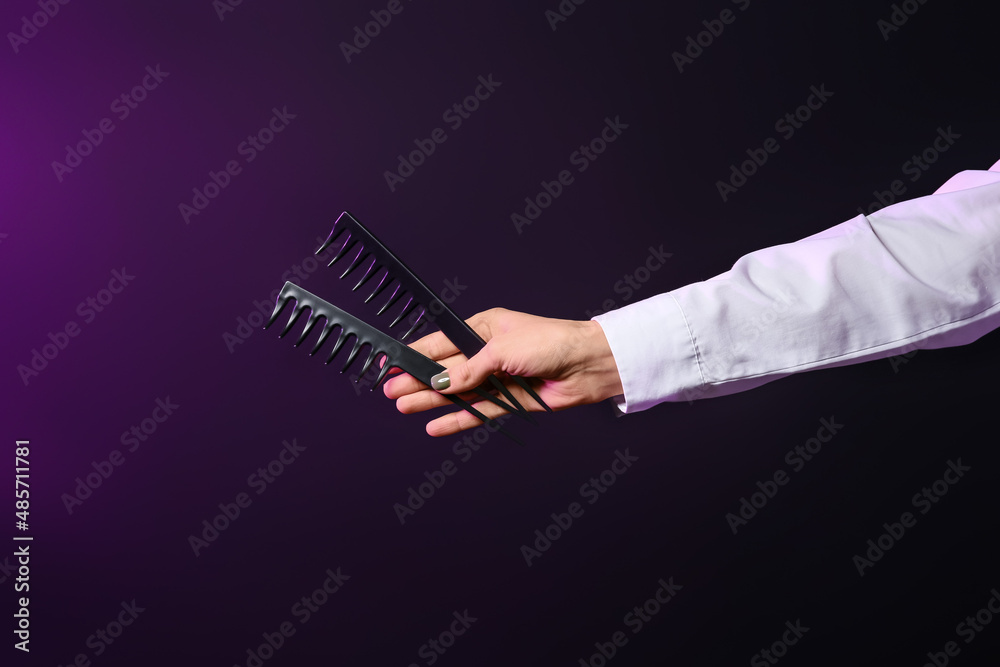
(418, 294)
(396, 354)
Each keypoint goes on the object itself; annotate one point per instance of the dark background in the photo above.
(163, 336)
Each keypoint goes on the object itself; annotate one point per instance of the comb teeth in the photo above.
(354, 353)
(382, 284)
(308, 329)
(296, 314)
(382, 373)
(407, 282)
(397, 355)
(368, 363)
(416, 323)
(359, 259)
(279, 306)
(333, 318)
(351, 240)
(362, 255)
(327, 330)
(397, 294)
(334, 233)
(336, 346)
(348, 244)
(369, 272)
(407, 309)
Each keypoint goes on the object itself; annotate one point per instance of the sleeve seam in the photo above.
(788, 369)
(694, 341)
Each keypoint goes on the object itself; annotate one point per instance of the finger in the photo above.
(428, 400)
(460, 420)
(401, 384)
(482, 322)
(407, 384)
(470, 374)
(435, 346)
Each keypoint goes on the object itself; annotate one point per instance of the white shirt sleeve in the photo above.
(922, 273)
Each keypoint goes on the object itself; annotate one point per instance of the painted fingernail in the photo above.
(441, 381)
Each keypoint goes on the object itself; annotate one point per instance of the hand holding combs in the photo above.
(380, 261)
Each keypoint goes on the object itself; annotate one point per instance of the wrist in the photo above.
(600, 362)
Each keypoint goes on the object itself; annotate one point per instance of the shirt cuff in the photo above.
(655, 353)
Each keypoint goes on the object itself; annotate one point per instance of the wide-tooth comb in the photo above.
(382, 259)
(397, 355)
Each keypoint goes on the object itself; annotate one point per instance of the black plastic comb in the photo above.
(397, 355)
(418, 294)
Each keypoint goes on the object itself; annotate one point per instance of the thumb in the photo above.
(469, 374)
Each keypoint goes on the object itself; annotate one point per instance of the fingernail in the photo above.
(441, 381)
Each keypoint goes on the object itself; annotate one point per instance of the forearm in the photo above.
(921, 273)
